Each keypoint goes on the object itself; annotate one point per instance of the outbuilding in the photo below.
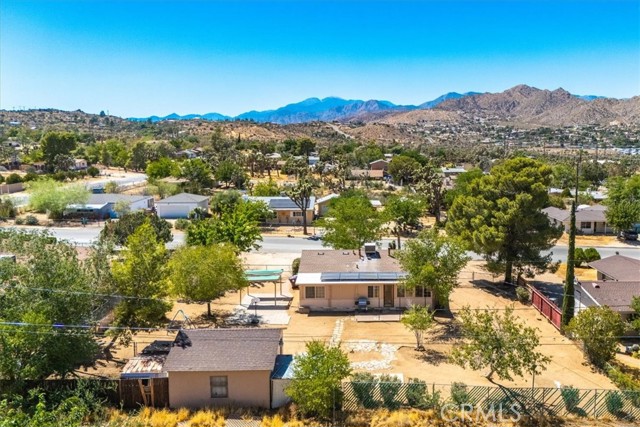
(180, 205)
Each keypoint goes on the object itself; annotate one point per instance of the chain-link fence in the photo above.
(592, 403)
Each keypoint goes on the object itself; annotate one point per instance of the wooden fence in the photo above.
(543, 304)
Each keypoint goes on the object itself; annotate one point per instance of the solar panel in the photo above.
(330, 277)
(349, 276)
(387, 276)
(368, 276)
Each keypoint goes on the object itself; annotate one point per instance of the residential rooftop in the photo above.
(616, 295)
(183, 198)
(618, 267)
(347, 261)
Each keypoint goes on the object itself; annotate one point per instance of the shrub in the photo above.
(7, 210)
(578, 256)
(206, 418)
(627, 382)
(14, 178)
(389, 388)
(591, 254)
(295, 266)
(182, 224)
(571, 397)
(30, 176)
(31, 220)
(93, 171)
(19, 221)
(1, 179)
(459, 394)
(523, 295)
(614, 403)
(364, 384)
(416, 391)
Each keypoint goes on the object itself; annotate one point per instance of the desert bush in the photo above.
(206, 418)
(19, 221)
(571, 397)
(459, 394)
(415, 392)
(163, 418)
(31, 220)
(591, 254)
(7, 209)
(295, 266)
(364, 384)
(389, 388)
(14, 178)
(93, 171)
(274, 421)
(523, 295)
(614, 403)
(182, 224)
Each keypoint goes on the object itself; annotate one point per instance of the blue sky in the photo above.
(137, 58)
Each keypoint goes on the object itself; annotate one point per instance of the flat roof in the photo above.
(347, 261)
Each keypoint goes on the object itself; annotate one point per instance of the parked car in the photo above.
(292, 280)
(628, 235)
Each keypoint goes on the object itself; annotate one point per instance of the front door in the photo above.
(388, 295)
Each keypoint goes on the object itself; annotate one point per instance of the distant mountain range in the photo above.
(520, 100)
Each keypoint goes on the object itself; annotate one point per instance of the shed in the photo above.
(180, 205)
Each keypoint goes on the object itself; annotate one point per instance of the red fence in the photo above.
(543, 304)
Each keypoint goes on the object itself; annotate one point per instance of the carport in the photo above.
(264, 276)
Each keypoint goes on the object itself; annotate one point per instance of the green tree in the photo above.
(462, 185)
(429, 183)
(198, 175)
(568, 299)
(230, 172)
(49, 196)
(162, 168)
(498, 342)
(7, 209)
(301, 194)
(434, 261)
(316, 386)
(204, 273)
(141, 277)
(120, 230)
(350, 222)
(418, 320)
(502, 218)
(405, 212)
(304, 146)
(623, 202)
(599, 329)
(53, 144)
(403, 169)
(635, 317)
(47, 286)
(268, 188)
(111, 187)
(238, 226)
(139, 156)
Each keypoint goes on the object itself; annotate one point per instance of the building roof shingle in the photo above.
(615, 295)
(183, 198)
(346, 261)
(235, 349)
(618, 267)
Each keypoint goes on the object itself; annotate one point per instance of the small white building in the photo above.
(180, 205)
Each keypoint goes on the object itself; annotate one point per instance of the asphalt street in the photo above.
(275, 244)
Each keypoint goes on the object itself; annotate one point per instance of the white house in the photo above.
(180, 205)
(589, 219)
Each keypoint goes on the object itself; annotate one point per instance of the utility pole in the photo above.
(578, 174)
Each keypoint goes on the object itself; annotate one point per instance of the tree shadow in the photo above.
(432, 357)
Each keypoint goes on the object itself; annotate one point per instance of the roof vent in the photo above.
(320, 253)
(369, 248)
(596, 285)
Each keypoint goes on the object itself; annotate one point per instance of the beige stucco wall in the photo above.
(246, 389)
(287, 218)
(343, 297)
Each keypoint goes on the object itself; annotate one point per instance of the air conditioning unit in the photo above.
(370, 248)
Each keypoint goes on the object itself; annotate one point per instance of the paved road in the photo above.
(273, 244)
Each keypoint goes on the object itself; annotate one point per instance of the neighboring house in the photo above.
(453, 172)
(589, 219)
(180, 205)
(617, 268)
(223, 367)
(379, 165)
(286, 211)
(102, 206)
(336, 279)
(615, 295)
(322, 204)
(80, 164)
(187, 154)
(366, 174)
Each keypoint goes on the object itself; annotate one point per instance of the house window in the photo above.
(373, 291)
(401, 292)
(311, 292)
(219, 386)
(585, 225)
(422, 292)
(296, 213)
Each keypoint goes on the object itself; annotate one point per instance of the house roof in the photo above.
(618, 267)
(281, 203)
(183, 198)
(595, 213)
(364, 173)
(327, 198)
(346, 261)
(97, 199)
(558, 214)
(235, 349)
(378, 161)
(615, 295)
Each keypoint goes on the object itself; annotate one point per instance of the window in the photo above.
(314, 292)
(401, 292)
(297, 213)
(219, 386)
(373, 291)
(422, 292)
(585, 225)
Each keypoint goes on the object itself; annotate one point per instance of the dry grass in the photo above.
(149, 417)
(584, 273)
